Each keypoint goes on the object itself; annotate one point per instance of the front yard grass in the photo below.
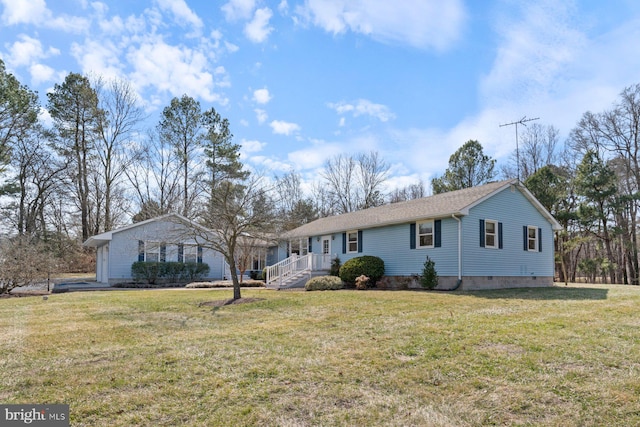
(561, 356)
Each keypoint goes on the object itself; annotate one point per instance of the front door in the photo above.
(326, 252)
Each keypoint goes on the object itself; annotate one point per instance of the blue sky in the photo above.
(304, 80)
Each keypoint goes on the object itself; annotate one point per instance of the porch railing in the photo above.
(291, 267)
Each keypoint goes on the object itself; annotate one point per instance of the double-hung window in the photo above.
(352, 241)
(425, 234)
(532, 238)
(490, 234)
(152, 252)
(190, 253)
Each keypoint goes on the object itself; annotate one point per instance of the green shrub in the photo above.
(324, 283)
(370, 266)
(256, 274)
(429, 277)
(335, 267)
(145, 271)
(172, 271)
(195, 270)
(150, 272)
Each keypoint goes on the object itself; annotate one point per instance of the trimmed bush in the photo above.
(324, 283)
(195, 270)
(370, 266)
(429, 277)
(172, 271)
(145, 271)
(151, 272)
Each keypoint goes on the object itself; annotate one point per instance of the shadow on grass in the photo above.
(551, 293)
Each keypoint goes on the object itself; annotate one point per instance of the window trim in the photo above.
(495, 234)
(152, 247)
(352, 242)
(189, 250)
(432, 234)
(534, 239)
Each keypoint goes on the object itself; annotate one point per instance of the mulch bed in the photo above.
(24, 294)
(223, 302)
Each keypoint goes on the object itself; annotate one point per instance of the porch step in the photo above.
(298, 280)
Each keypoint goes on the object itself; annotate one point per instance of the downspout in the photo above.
(459, 282)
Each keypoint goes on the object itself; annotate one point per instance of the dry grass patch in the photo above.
(555, 357)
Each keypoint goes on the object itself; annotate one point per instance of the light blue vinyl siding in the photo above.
(391, 243)
(123, 249)
(514, 211)
(509, 207)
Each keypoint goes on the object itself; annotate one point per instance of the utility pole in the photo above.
(523, 121)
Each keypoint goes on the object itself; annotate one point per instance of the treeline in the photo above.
(99, 165)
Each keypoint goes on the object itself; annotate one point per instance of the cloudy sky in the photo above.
(304, 80)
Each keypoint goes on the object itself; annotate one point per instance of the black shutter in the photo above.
(437, 231)
(180, 253)
(344, 243)
(412, 235)
(482, 233)
(310, 247)
(499, 235)
(163, 253)
(199, 261)
(525, 238)
(140, 250)
(359, 241)
(539, 239)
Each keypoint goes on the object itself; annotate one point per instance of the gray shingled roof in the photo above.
(437, 206)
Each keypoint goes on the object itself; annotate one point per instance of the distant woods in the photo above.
(99, 166)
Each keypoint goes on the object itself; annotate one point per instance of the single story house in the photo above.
(495, 235)
(165, 238)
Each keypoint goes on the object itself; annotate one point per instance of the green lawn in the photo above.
(562, 356)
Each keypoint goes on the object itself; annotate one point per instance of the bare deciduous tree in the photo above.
(115, 146)
(21, 263)
(355, 183)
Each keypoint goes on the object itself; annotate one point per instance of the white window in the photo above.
(425, 234)
(152, 252)
(532, 238)
(190, 253)
(352, 241)
(490, 234)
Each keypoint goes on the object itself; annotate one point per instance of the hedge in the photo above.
(151, 272)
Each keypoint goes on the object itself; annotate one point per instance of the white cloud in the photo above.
(251, 146)
(35, 12)
(423, 24)
(261, 115)
(363, 107)
(181, 11)
(261, 96)
(41, 74)
(173, 69)
(238, 9)
(258, 29)
(26, 50)
(536, 50)
(284, 128)
(283, 7)
(24, 12)
(315, 155)
(100, 57)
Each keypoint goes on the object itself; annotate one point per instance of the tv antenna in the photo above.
(523, 121)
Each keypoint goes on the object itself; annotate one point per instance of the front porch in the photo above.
(294, 271)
